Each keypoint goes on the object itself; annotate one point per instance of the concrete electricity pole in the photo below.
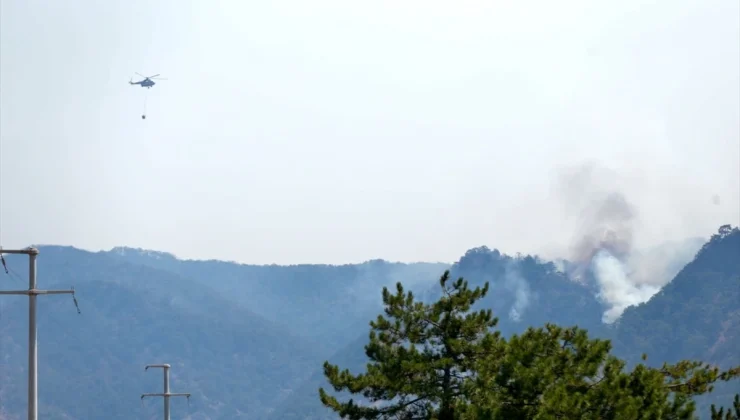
(32, 292)
(166, 394)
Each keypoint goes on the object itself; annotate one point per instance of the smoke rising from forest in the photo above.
(617, 288)
(603, 244)
(517, 285)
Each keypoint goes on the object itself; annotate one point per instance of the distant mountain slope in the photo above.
(695, 316)
(524, 291)
(91, 366)
(323, 303)
(248, 341)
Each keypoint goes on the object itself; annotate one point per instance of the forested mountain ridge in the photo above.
(91, 365)
(695, 316)
(524, 291)
(321, 302)
(242, 338)
(236, 362)
(538, 292)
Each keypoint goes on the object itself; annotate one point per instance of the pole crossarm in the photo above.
(26, 251)
(14, 292)
(166, 395)
(161, 365)
(169, 394)
(36, 292)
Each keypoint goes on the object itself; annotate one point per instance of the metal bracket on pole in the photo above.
(166, 394)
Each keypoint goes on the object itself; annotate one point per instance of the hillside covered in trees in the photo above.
(249, 341)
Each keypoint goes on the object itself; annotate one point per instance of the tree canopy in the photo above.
(421, 355)
(443, 361)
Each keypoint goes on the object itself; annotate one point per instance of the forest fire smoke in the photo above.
(604, 241)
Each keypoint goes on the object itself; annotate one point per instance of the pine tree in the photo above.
(421, 356)
(442, 361)
(556, 373)
(727, 414)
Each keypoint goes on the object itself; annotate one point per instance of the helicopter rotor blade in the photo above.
(141, 75)
(151, 77)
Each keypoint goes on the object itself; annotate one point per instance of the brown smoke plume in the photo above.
(605, 226)
(605, 219)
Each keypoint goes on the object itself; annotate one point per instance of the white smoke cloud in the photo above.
(559, 264)
(658, 265)
(606, 222)
(617, 290)
(518, 286)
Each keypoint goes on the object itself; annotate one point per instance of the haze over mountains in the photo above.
(248, 341)
(380, 141)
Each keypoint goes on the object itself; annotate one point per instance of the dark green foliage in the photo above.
(442, 361)
(420, 355)
(554, 372)
(651, 327)
(552, 298)
(539, 373)
(727, 413)
(695, 316)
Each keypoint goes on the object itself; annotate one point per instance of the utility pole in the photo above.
(32, 292)
(166, 394)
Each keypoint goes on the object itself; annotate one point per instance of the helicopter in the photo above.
(147, 82)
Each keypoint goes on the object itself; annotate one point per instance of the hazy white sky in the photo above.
(335, 131)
